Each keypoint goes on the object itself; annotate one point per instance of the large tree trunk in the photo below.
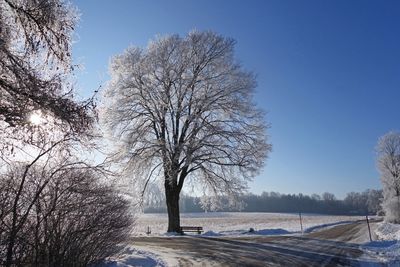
(10, 249)
(172, 198)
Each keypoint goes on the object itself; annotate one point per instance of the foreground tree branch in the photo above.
(35, 63)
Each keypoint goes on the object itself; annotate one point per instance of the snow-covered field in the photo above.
(228, 223)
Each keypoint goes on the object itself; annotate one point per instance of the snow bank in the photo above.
(274, 231)
(388, 231)
(387, 248)
(131, 256)
(319, 227)
(211, 233)
(388, 251)
(277, 231)
(174, 234)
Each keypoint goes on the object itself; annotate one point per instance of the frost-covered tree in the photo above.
(40, 122)
(35, 67)
(388, 161)
(367, 202)
(374, 201)
(182, 110)
(35, 63)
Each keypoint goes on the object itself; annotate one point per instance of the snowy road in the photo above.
(337, 245)
(257, 251)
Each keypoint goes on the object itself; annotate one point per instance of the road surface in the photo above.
(314, 249)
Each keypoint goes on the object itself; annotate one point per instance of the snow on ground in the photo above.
(217, 224)
(233, 223)
(276, 231)
(132, 256)
(325, 225)
(388, 245)
(388, 231)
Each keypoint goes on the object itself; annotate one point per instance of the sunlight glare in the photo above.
(36, 118)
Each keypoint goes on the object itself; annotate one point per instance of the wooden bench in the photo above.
(197, 229)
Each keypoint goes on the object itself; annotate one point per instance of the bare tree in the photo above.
(329, 197)
(183, 108)
(388, 161)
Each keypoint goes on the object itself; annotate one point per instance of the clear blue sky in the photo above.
(328, 74)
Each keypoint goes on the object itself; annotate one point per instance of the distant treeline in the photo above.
(355, 203)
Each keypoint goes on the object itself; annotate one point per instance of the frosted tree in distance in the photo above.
(182, 110)
(388, 162)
